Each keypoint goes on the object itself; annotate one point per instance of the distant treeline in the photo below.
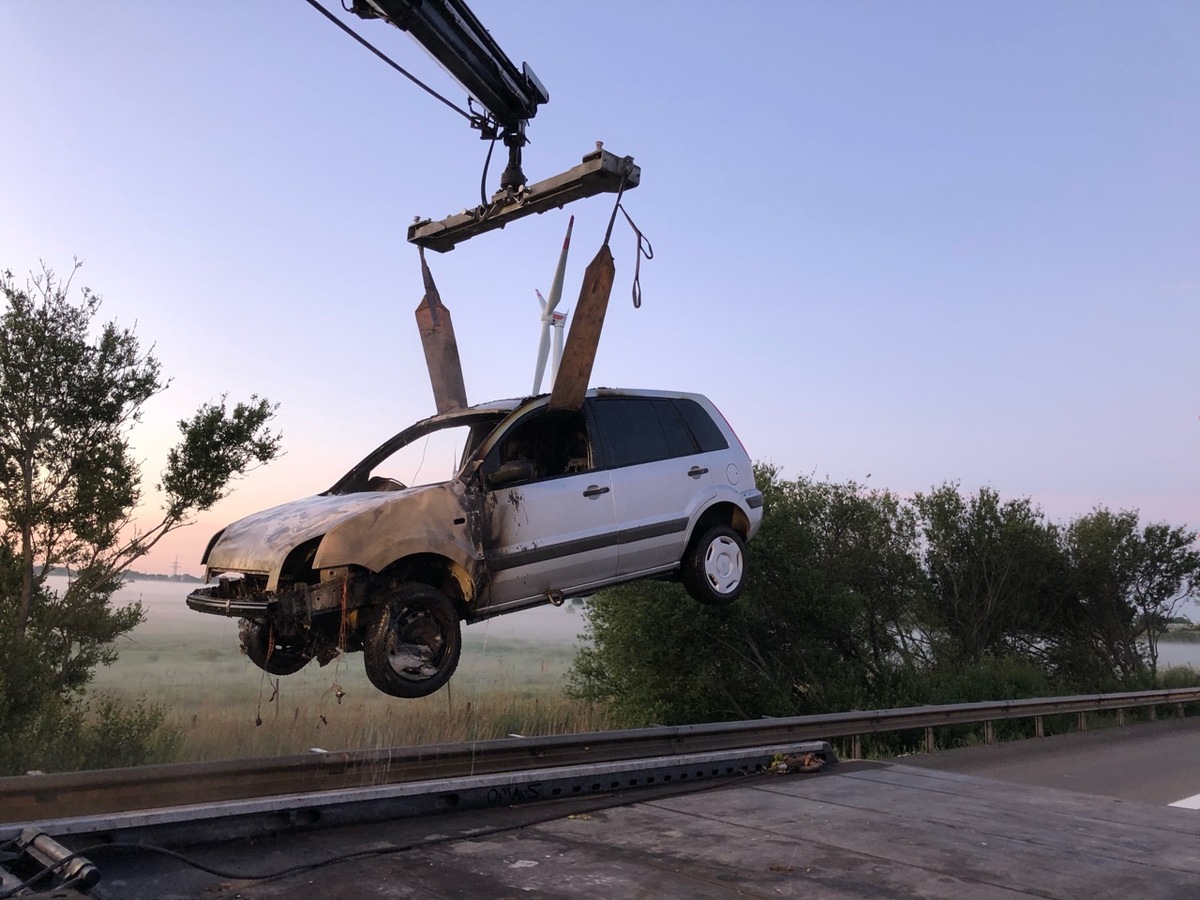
(1182, 636)
(860, 599)
(138, 576)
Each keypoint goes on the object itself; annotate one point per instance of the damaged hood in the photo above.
(262, 541)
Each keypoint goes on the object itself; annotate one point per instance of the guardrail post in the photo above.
(1039, 727)
(1120, 718)
(1179, 710)
(1082, 717)
(929, 745)
(856, 747)
(989, 732)
(1153, 713)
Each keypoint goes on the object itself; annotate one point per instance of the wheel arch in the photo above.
(438, 572)
(723, 512)
(298, 565)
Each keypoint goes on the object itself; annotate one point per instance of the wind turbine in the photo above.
(552, 319)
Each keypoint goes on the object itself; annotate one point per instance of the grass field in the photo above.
(510, 681)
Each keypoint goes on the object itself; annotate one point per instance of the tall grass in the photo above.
(223, 707)
(215, 731)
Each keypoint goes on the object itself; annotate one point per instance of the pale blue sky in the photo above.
(916, 241)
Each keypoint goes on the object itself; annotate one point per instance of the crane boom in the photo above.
(456, 39)
(453, 36)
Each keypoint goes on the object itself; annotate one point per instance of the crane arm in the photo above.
(454, 37)
(452, 34)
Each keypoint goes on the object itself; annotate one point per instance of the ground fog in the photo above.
(510, 681)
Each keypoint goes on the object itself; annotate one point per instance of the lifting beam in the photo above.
(599, 172)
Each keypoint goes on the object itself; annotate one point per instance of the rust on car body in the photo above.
(418, 520)
(260, 542)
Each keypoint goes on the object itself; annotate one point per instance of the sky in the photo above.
(897, 243)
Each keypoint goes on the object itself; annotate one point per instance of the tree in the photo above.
(823, 623)
(1127, 583)
(71, 389)
(1167, 573)
(1097, 638)
(856, 599)
(992, 567)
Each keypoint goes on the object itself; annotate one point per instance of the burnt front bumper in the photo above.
(206, 600)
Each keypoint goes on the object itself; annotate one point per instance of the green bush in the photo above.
(1178, 677)
(68, 734)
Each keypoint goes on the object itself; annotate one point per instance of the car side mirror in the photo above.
(510, 473)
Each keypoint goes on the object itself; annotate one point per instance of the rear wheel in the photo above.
(714, 569)
(269, 651)
(413, 642)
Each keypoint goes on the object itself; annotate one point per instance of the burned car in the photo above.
(531, 506)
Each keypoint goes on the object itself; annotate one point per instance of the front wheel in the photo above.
(714, 569)
(413, 642)
(269, 651)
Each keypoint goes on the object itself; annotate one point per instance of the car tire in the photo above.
(714, 566)
(268, 651)
(413, 641)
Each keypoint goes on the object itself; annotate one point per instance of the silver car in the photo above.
(483, 511)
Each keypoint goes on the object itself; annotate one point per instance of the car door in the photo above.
(551, 529)
(659, 478)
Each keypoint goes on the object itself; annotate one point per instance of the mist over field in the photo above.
(510, 680)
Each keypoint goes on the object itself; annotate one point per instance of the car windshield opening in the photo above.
(428, 453)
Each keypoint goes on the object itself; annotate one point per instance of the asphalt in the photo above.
(1150, 763)
(855, 830)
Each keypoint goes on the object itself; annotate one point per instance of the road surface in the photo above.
(1155, 763)
(1065, 817)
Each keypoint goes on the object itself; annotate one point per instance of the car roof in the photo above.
(492, 406)
(508, 405)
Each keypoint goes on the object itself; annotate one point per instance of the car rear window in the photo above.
(638, 431)
(707, 434)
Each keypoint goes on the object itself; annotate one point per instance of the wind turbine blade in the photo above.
(556, 287)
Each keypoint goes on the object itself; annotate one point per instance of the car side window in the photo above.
(635, 431)
(554, 443)
(707, 434)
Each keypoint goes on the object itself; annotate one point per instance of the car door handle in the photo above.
(697, 471)
(594, 490)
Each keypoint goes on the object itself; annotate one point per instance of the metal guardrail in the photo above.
(856, 724)
(35, 797)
